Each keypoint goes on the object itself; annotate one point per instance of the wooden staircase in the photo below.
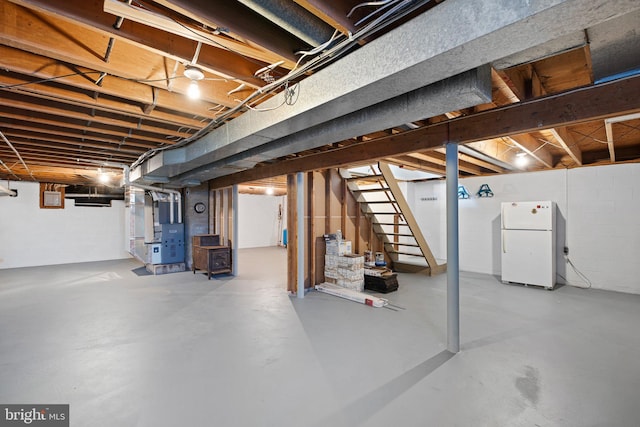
(383, 203)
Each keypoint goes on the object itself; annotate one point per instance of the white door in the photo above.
(527, 257)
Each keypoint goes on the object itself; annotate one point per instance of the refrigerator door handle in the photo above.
(504, 248)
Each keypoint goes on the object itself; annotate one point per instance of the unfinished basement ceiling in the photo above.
(84, 83)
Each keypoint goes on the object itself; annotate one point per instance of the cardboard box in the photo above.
(334, 247)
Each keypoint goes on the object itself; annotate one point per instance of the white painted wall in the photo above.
(604, 232)
(258, 220)
(30, 236)
(596, 219)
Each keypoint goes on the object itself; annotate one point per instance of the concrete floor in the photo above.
(178, 350)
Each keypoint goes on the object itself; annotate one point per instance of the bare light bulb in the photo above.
(103, 177)
(193, 92)
(521, 160)
(269, 191)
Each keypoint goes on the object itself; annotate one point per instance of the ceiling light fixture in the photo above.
(193, 91)
(194, 74)
(269, 191)
(521, 159)
(104, 178)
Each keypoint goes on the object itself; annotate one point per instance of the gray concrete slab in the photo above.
(179, 350)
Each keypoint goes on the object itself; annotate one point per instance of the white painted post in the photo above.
(453, 262)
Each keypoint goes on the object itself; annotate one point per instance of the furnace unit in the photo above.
(164, 239)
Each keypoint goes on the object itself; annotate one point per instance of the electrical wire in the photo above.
(260, 93)
(4, 165)
(199, 35)
(545, 142)
(316, 50)
(323, 58)
(380, 9)
(369, 3)
(220, 79)
(329, 55)
(260, 110)
(584, 136)
(579, 273)
(17, 154)
(50, 79)
(290, 98)
(566, 256)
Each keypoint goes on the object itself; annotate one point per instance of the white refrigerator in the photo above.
(529, 243)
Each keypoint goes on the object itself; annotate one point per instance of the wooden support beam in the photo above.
(54, 173)
(565, 139)
(62, 140)
(52, 160)
(532, 147)
(331, 13)
(357, 230)
(87, 114)
(502, 94)
(82, 17)
(41, 67)
(214, 200)
(79, 128)
(437, 158)
(243, 22)
(327, 203)
(343, 208)
(496, 148)
(626, 153)
(292, 234)
(148, 108)
(71, 151)
(311, 225)
(524, 82)
(572, 107)
(106, 142)
(609, 129)
(407, 161)
(470, 159)
(214, 39)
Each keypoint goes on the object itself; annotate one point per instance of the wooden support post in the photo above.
(327, 201)
(212, 210)
(292, 237)
(311, 226)
(357, 231)
(343, 207)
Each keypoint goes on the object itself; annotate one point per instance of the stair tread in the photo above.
(379, 202)
(406, 253)
(365, 177)
(413, 245)
(371, 190)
